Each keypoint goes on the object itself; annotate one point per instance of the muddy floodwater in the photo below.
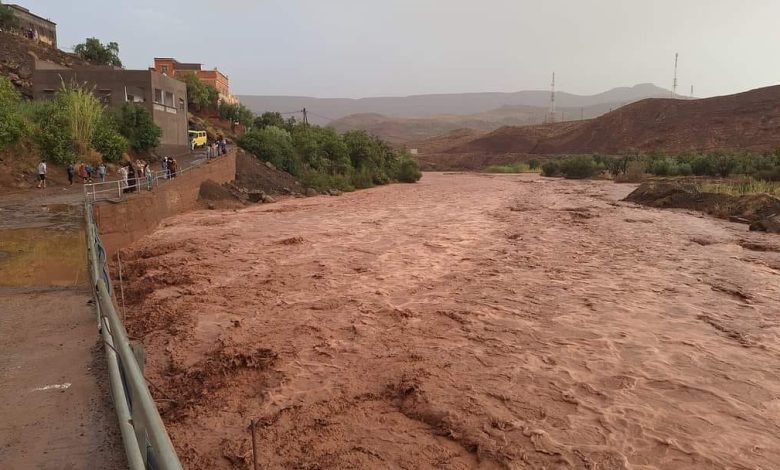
(467, 321)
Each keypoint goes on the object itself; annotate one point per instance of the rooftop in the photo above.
(25, 10)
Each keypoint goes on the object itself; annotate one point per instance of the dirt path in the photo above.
(465, 321)
(55, 409)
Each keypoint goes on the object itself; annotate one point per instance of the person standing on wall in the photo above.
(42, 174)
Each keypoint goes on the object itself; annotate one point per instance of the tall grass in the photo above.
(741, 188)
(517, 167)
(82, 111)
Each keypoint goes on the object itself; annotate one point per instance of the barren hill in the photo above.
(745, 121)
(408, 130)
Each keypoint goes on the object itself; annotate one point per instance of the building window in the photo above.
(181, 105)
(49, 95)
(135, 94)
(158, 96)
(164, 69)
(168, 99)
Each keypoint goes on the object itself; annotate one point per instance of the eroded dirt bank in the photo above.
(467, 321)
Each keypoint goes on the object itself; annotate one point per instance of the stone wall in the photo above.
(123, 222)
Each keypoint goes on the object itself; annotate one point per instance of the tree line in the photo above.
(322, 158)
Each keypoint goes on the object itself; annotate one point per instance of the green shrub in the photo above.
(578, 167)
(533, 164)
(684, 169)
(362, 179)
(12, 123)
(138, 127)
(551, 169)
(723, 165)
(53, 134)
(409, 171)
(660, 167)
(701, 165)
(109, 142)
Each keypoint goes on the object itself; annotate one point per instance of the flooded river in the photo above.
(467, 321)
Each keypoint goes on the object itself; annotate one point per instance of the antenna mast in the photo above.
(674, 83)
(551, 116)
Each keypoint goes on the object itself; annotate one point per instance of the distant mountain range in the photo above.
(324, 110)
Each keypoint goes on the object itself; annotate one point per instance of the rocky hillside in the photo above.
(17, 59)
(745, 121)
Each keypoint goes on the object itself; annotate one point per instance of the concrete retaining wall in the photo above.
(122, 223)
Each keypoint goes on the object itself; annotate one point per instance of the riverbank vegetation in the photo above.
(323, 159)
(754, 168)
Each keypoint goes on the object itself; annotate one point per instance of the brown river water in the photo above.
(466, 321)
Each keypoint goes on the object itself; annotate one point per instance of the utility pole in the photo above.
(691, 91)
(552, 99)
(674, 83)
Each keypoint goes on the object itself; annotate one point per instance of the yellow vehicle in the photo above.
(197, 139)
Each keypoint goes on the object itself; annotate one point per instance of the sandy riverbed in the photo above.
(467, 321)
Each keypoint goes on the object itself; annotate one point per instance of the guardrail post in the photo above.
(138, 421)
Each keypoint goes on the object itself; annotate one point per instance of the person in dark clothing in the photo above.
(71, 173)
(131, 179)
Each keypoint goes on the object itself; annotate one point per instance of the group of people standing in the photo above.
(132, 175)
(85, 172)
(170, 166)
(216, 148)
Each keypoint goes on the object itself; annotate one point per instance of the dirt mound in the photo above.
(218, 196)
(759, 210)
(254, 175)
(745, 121)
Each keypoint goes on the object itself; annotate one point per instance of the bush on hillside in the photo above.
(235, 113)
(109, 142)
(138, 127)
(323, 159)
(199, 95)
(52, 134)
(274, 145)
(12, 123)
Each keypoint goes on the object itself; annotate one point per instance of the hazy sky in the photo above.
(356, 48)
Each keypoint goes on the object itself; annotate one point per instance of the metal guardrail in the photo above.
(145, 439)
(116, 188)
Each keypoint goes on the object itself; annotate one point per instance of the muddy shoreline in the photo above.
(467, 321)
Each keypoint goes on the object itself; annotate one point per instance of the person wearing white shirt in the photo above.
(42, 175)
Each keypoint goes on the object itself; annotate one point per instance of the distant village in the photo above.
(156, 88)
